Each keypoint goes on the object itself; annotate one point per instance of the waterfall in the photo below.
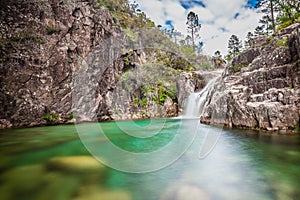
(196, 102)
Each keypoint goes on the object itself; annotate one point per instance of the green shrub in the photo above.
(154, 98)
(72, 116)
(283, 41)
(144, 102)
(51, 117)
(51, 30)
(162, 98)
(271, 38)
(130, 34)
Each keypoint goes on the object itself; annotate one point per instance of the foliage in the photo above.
(51, 117)
(193, 26)
(72, 116)
(259, 31)
(284, 10)
(249, 37)
(51, 30)
(234, 47)
(164, 93)
(130, 34)
(126, 15)
(144, 102)
(217, 54)
(283, 41)
(268, 21)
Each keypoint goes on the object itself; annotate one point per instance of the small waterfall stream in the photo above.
(196, 102)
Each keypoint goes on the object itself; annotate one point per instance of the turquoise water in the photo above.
(52, 163)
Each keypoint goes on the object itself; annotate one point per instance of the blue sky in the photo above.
(219, 18)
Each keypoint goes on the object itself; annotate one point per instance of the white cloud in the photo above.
(216, 15)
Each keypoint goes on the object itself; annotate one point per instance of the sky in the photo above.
(219, 19)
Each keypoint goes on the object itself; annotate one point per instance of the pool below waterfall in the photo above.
(54, 163)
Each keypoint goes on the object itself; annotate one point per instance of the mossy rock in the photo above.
(58, 186)
(21, 181)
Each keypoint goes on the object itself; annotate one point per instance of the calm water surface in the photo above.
(52, 163)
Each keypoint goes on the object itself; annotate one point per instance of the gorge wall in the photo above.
(260, 88)
(45, 48)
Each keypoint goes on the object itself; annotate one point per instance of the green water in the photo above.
(52, 163)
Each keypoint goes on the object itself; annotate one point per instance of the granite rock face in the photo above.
(42, 45)
(260, 88)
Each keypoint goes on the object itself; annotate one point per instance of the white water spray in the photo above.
(196, 102)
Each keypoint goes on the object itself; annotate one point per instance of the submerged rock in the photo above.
(77, 164)
(260, 88)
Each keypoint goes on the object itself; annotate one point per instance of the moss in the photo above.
(284, 25)
(283, 41)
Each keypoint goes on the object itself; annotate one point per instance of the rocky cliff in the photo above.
(42, 43)
(61, 60)
(260, 88)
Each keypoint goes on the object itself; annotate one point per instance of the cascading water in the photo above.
(196, 102)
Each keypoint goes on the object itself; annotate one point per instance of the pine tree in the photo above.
(249, 37)
(259, 31)
(234, 47)
(268, 7)
(288, 10)
(218, 54)
(193, 26)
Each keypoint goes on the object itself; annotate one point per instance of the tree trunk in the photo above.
(193, 40)
(272, 14)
